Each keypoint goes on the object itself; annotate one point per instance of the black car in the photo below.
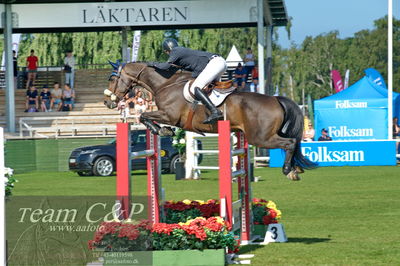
(100, 159)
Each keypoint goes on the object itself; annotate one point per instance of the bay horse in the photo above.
(267, 121)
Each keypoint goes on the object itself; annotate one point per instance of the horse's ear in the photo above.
(114, 65)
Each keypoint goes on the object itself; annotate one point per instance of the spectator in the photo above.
(240, 75)
(254, 72)
(31, 65)
(15, 69)
(130, 102)
(69, 68)
(45, 97)
(138, 94)
(254, 86)
(68, 98)
(140, 107)
(56, 97)
(309, 133)
(396, 132)
(324, 135)
(31, 103)
(248, 63)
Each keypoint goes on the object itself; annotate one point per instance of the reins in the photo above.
(134, 80)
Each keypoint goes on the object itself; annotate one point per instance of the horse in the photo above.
(267, 121)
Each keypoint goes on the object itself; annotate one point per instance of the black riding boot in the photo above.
(215, 113)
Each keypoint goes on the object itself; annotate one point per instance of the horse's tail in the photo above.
(292, 127)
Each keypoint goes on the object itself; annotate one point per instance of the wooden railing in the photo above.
(72, 126)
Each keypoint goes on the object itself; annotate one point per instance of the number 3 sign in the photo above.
(275, 233)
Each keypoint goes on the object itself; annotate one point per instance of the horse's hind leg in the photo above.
(289, 145)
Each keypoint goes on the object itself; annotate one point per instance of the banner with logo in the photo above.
(342, 153)
(135, 45)
(375, 76)
(351, 123)
(337, 80)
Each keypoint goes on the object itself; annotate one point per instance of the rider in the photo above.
(206, 67)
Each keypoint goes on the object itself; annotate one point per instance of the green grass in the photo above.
(333, 216)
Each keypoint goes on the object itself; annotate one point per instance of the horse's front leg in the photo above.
(148, 119)
(150, 125)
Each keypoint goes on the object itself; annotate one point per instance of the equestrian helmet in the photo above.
(169, 43)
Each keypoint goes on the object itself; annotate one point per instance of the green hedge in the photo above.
(44, 154)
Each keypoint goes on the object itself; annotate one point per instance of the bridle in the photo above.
(113, 94)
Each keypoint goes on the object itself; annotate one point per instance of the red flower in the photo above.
(109, 227)
(272, 213)
(267, 219)
(196, 227)
(91, 244)
(213, 225)
(162, 228)
(145, 224)
(179, 206)
(130, 231)
(209, 209)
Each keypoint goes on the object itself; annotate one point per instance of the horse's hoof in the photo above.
(286, 170)
(166, 131)
(299, 170)
(293, 176)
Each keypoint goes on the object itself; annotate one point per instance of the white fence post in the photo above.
(191, 157)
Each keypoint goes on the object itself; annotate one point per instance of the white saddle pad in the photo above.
(216, 97)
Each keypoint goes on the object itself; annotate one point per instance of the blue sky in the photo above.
(314, 17)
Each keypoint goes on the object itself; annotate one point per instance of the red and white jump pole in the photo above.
(225, 179)
(226, 174)
(124, 157)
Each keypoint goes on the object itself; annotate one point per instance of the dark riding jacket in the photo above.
(191, 60)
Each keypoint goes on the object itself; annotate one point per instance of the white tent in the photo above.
(234, 57)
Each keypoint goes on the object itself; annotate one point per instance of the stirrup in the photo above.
(214, 117)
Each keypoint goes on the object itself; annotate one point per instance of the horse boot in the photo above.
(155, 129)
(203, 98)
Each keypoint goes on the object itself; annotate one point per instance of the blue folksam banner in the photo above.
(342, 153)
(360, 124)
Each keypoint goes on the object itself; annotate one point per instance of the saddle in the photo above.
(216, 91)
(222, 85)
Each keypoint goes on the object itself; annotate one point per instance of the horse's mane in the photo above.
(136, 67)
(167, 74)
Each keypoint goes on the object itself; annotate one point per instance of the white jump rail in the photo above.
(192, 155)
(193, 170)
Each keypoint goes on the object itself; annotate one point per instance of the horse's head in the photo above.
(120, 83)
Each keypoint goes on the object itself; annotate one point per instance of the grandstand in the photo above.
(89, 117)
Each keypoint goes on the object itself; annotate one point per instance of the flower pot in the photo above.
(180, 170)
(260, 230)
(167, 257)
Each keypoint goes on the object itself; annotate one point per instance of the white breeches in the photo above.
(213, 71)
